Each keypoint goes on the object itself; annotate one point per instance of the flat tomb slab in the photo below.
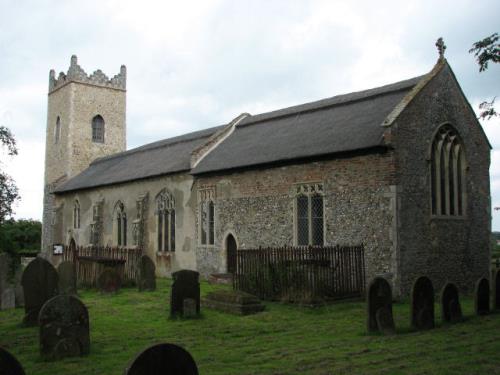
(233, 302)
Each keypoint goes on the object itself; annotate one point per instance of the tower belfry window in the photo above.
(57, 132)
(98, 129)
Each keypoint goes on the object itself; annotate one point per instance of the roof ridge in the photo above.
(337, 100)
(160, 144)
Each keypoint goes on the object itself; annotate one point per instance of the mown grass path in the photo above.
(285, 339)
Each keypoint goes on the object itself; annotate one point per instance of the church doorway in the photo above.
(231, 248)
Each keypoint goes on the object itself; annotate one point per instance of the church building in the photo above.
(402, 169)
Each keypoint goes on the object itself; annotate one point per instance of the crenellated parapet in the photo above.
(77, 74)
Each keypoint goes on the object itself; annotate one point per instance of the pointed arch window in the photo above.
(57, 131)
(309, 217)
(206, 220)
(98, 129)
(165, 210)
(76, 215)
(121, 225)
(448, 166)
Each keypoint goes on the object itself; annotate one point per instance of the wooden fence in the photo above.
(90, 261)
(301, 274)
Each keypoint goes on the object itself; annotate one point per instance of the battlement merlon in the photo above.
(77, 74)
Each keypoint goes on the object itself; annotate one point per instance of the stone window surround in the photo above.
(206, 194)
(76, 214)
(298, 189)
(436, 200)
(165, 206)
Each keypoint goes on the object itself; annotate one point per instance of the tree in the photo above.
(8, 189)
(486, 51)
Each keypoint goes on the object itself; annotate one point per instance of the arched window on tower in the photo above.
(76, 215)
(57, 131)
(98, 129)
(448, 168)
(165, 209)
(121, 224)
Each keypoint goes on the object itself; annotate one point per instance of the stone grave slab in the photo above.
(8, 299)
(40, 283)
(67, 277)
(496, 290)
(379, 307)
(233, 302)
(186, 285)
(482, 297)
(64, 328)
(163, 359)
(422, 304)
(109, 281)
(147, 274)
(451, 311)
(9, 365)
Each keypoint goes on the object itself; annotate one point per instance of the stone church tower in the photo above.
(85, 121)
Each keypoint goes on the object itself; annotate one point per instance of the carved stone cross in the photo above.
(441, 48)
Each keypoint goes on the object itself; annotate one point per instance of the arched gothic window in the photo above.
(309, 216)
(165, 209)
(98, 129)
(121, 224)
(447, 173)
(76, 215)
(57, 131)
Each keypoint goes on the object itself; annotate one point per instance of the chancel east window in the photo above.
(165, 211)
(121, 225)
(206, 216)
(447, 173)
(309, 216)
(76, 215)
(98, 129)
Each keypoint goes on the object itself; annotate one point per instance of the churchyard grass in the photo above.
(284, 339)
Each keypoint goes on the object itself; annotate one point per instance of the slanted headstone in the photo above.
(422, 304)
(233, 301)
(9, 365)
(64, 328)
(482, 297)
(162, 359)
(451, 312)
(147, 275)
(186, 285)
(67, 277)
(109, 281)
(8, 299)
(379, 307)
(496, 291)
(40, 283)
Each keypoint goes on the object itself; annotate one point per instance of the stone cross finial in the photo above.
(441, 48)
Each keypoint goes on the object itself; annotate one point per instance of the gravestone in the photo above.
(8, 299)
(233, 302)
(422, 304)
(451, 312)
(9, 365)
(40, 283)
(496, 291)
(189, 308)
(186, 285)
(163, 359)
(147, 275)
(18, 288)
(379, 307)
(482, 297)
(64, 328)
(109, 280)
(67, 277)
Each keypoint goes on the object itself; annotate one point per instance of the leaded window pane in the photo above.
(119, 230)
(98, 129)
(302, 220)
(124, 229)
(211, 226)
(160, 231)
(203, 224)
(317, 219)
(172, 230)
(166, 220)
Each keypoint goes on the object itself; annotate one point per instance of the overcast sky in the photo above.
(197, 64)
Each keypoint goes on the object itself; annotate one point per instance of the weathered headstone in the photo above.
(64, 328)
(379, 307)
(8, 299)
(162, 359)
(40, 283)
(189, 308)
(186, 285)
(451, 311)
(9, 365)
(109, 281)
(67, 277)
(18, 288)
(496, 291)
(147, 275)
(233, 301)
(482, 297)
(422, 304)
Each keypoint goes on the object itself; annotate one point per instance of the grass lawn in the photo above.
(285, 339)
